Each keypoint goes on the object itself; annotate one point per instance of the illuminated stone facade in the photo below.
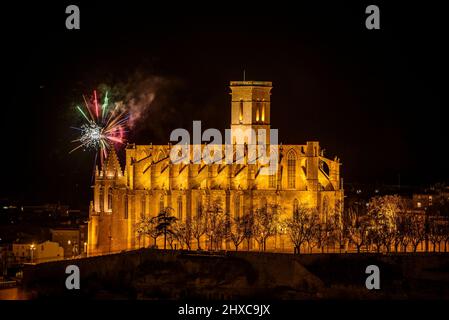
(150, 181)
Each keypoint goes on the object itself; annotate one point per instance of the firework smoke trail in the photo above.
(96, 103)
(104, 105)
(100, 131)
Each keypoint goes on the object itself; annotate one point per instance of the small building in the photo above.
(73, 240)
(37, 253)
(421, 201)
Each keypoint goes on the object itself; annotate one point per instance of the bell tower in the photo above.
(250, 109)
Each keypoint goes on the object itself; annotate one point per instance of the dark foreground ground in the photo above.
(159, 274)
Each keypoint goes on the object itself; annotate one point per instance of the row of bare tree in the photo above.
(384, 224)
(387, 224)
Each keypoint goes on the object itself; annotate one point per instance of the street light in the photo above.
(282, 231)
(32, 248)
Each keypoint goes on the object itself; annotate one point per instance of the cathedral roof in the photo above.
(112, 164)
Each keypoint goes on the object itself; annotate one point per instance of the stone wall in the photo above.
(159, 274)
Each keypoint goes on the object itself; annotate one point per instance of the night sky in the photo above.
(377, 99)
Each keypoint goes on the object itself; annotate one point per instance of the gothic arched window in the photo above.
(180, 208)
(291, 169)
(198, 207)
(295, 209)
(101, 198)
(126, 206)
(143, 207)
(272, 178)
(241, 111)
(161, 204)
(263, 203)
(258, 111)
(325, 208)
(237, 206)
(110, 199)
(262, 112)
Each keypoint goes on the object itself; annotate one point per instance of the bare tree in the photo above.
(171, 237)
(416, 231)
(147, 226)
(383, 212)
(216, 225)
(312, 234)
(446, 234)
(198, 226)
(436, 232)
(184, 233)
(266, 220)
(165, 222)
(237, 231)
(330, 231)
(302, 227)
(400, 236)
(358, 228)
(248, 229)
(340, 231)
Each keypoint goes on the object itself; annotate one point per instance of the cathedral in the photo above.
(151, 181)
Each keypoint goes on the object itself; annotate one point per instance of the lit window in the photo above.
(262, 116)
(257, 112)
(291, 170)
(241, 111)
(418, 204)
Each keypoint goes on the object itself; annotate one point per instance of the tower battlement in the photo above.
(252, 83)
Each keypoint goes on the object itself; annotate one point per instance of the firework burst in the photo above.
(103, 127)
